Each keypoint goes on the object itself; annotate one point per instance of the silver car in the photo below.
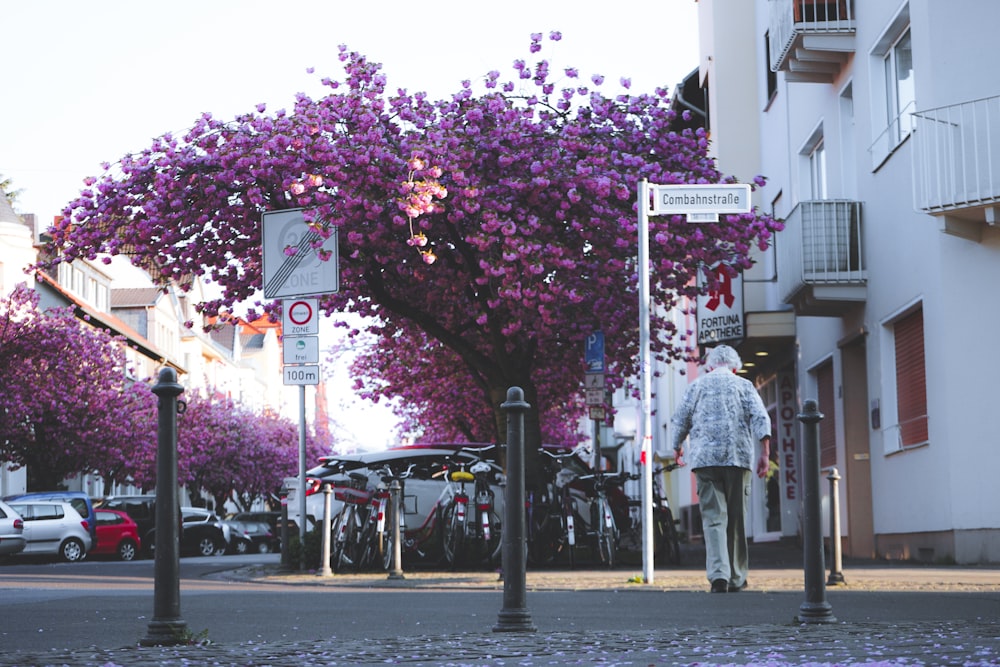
(53, 527)
(11, 531)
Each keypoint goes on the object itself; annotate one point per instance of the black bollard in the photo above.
(167, 628)
(514, 616)
(815, 609)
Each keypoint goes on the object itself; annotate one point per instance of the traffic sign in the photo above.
(300, 317)
(597, 413)
(593, 381)
(593, 353)
(294, 375)
(300, 349)
(291, 254)
(701, 198)
(595, 396)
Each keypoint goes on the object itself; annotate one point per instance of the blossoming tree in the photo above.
(65, 405)
(502, 225)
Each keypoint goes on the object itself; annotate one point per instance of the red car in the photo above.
(117, 535)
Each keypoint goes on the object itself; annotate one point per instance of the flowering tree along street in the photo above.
(500, 226)
(65, 405)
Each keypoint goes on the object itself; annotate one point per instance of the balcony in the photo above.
(956, 165)
(820, 256)
(811, 40)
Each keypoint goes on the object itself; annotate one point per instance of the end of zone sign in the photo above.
(300, 317)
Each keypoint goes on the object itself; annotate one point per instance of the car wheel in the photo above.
(262, 548)
(127, 550)
(242, 547)
(72, 550)
(207, 546)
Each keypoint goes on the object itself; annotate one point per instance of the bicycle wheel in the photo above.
(546, 536)
(454, 536)
(347, 541)
(605, 539)
(668, 542)
(488, 550)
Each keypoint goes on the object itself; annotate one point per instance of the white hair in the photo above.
(723, 356)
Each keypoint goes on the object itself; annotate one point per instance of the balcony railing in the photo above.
(810, 39)
(820, 253)
(956, 160)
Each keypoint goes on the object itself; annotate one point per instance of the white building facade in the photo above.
(877, 125)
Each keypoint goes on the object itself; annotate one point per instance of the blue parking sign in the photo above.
(593, 355)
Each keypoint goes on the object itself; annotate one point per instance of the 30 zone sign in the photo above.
(301, 375)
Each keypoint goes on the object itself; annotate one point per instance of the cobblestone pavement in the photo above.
(944, 638)
(872, 644)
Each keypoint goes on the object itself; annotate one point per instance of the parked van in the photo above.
(79, 500)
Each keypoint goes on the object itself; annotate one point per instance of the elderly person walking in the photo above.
(724, 416)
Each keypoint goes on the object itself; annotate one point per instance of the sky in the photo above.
(88, 82)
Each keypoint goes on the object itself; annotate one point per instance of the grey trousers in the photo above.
(724, 496)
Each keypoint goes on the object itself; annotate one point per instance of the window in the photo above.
(911, 383)
(817, 171)
(770, 76)
(893, 88)
(900, 94)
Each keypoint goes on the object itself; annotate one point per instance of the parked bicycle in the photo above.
(602, 529)
(377, 535)
(666, 541)
(346, 547)
(551, 519)
(475, 539)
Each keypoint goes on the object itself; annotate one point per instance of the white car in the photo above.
(53, 527)
(11, 531)
(423, 490)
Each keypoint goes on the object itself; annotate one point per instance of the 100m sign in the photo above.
(301, 375)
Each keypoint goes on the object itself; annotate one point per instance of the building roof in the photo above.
(7, 213)
(133, 297)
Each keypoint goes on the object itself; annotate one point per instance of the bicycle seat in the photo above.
(461, 476)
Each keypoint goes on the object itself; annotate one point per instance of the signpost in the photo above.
(711, 198)
(593, 382)
(703, 202)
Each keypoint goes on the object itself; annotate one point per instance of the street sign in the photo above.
(701, 198)
(301, 375)
(593, 381)
(300, 349)
(597, 413)
(593, 353)
(292, 267)
(595, 396)
(300, 317)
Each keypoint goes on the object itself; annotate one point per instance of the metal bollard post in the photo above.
(286, 558)
(167, 627)
(815, 609)
(324, 565)
(836, 577)
(395, 494)
(514, 616)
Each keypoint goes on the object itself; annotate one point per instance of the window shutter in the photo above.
(911, 384)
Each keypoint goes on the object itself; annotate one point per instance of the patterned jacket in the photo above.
(725, 417)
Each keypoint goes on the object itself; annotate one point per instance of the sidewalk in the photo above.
(886, 614)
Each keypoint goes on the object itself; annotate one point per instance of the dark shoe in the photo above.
(720, 586)
(737, 589)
